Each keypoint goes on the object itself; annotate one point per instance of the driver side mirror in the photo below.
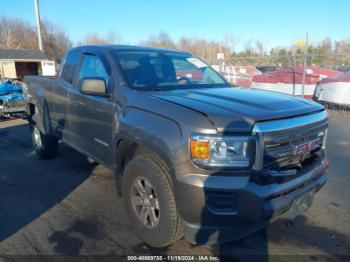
(93, 86)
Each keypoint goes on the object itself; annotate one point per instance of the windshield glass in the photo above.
(152, 70)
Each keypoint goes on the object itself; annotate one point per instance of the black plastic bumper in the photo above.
(218, 209)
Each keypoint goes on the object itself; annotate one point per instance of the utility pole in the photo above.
(38, 28)
(220, 58)
(305, 64)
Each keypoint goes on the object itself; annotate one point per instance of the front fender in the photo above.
(158, 133)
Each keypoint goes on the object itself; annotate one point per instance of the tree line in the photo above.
(20, 34)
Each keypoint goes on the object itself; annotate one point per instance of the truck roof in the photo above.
(126, 47)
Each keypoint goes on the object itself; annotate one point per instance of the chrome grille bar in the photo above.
(262, 128)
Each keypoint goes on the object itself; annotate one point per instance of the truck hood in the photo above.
(238, 109)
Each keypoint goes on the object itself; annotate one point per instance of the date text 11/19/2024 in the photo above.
(173, 258)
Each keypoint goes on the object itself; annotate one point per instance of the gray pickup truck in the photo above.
(192, 155)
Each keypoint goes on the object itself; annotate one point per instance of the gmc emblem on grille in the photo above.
(303, 149)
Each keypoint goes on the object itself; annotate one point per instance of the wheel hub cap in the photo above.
(37, 137)
(145, 202)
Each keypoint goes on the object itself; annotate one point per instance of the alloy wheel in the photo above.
(145, 202)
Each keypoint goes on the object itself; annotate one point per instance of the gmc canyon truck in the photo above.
(192, 155)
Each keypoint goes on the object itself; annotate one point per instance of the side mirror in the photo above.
(93, 86)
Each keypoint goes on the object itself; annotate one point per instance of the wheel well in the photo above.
(127, 150)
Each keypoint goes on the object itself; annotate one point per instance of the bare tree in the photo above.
(55, 40)
(186, 44)
(162, 40)
(93, 38)
(113, 38)
(260, 47)
(231, 42)
(20, 34)
(165, 41)
(7, 39)
(16, 33)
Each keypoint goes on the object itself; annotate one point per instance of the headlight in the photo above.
(217, 151)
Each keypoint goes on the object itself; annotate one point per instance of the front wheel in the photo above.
(45, 146)
(149, 201)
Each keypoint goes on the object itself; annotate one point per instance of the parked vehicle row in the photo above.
(327, 86)
(334, 91)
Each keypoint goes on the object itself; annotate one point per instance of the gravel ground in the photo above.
(69, 206)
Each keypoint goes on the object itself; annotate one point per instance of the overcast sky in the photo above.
(276, 22)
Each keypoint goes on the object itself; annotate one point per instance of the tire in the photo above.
(45, 146)
(153, 172)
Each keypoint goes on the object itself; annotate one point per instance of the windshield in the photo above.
(152, 70)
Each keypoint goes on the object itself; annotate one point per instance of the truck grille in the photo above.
(283, 147)
(291, 148)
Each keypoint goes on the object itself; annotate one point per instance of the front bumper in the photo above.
(218, 209)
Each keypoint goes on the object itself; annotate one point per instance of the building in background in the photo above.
(16, 63)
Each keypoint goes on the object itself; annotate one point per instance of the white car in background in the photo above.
(334, 90)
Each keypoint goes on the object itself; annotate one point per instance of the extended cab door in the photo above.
(91, 116)
(59, 100)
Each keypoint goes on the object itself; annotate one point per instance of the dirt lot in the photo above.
(70, 206)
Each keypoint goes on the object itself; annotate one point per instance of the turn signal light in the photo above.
(200, 149)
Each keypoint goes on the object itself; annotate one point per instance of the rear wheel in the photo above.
(149, 201)
(45, 146)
